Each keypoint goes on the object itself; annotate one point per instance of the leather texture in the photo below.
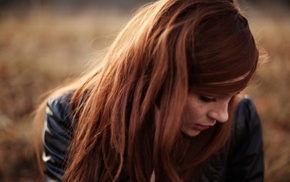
(241, 161)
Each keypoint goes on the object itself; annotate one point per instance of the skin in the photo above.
(202, 112)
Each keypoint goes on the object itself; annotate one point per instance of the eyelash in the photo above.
(206, 99)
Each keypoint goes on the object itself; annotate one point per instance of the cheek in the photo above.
(192, 112)
(191, 116)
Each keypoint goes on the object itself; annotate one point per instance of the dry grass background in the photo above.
(40, 50)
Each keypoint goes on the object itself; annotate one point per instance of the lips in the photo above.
(201, 127)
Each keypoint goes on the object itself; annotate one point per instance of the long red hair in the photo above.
(168, 49)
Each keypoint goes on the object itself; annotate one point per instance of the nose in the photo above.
(219, 112)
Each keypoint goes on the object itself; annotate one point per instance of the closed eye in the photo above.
(207, 99)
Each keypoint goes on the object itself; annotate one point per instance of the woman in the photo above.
(163, 106)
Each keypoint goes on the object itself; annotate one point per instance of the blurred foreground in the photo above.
(40, 50)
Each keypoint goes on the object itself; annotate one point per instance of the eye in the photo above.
(207, 99)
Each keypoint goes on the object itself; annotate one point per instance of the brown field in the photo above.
(40, 50)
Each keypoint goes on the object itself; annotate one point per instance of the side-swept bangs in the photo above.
(224, 50)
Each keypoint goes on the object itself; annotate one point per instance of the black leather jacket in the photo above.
(243, 161)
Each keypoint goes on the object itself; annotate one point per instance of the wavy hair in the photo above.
(169, 49)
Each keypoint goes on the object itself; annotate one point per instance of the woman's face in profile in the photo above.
(203, 111)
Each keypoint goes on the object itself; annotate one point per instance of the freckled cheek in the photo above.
(191, 113)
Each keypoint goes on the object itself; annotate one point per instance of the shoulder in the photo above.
(246, 119)
(246, 159)
(57, 135)
(59, 121)
(59, 106)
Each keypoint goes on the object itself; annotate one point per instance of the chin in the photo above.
(190, 133)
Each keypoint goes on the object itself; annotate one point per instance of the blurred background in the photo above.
(46, 43)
